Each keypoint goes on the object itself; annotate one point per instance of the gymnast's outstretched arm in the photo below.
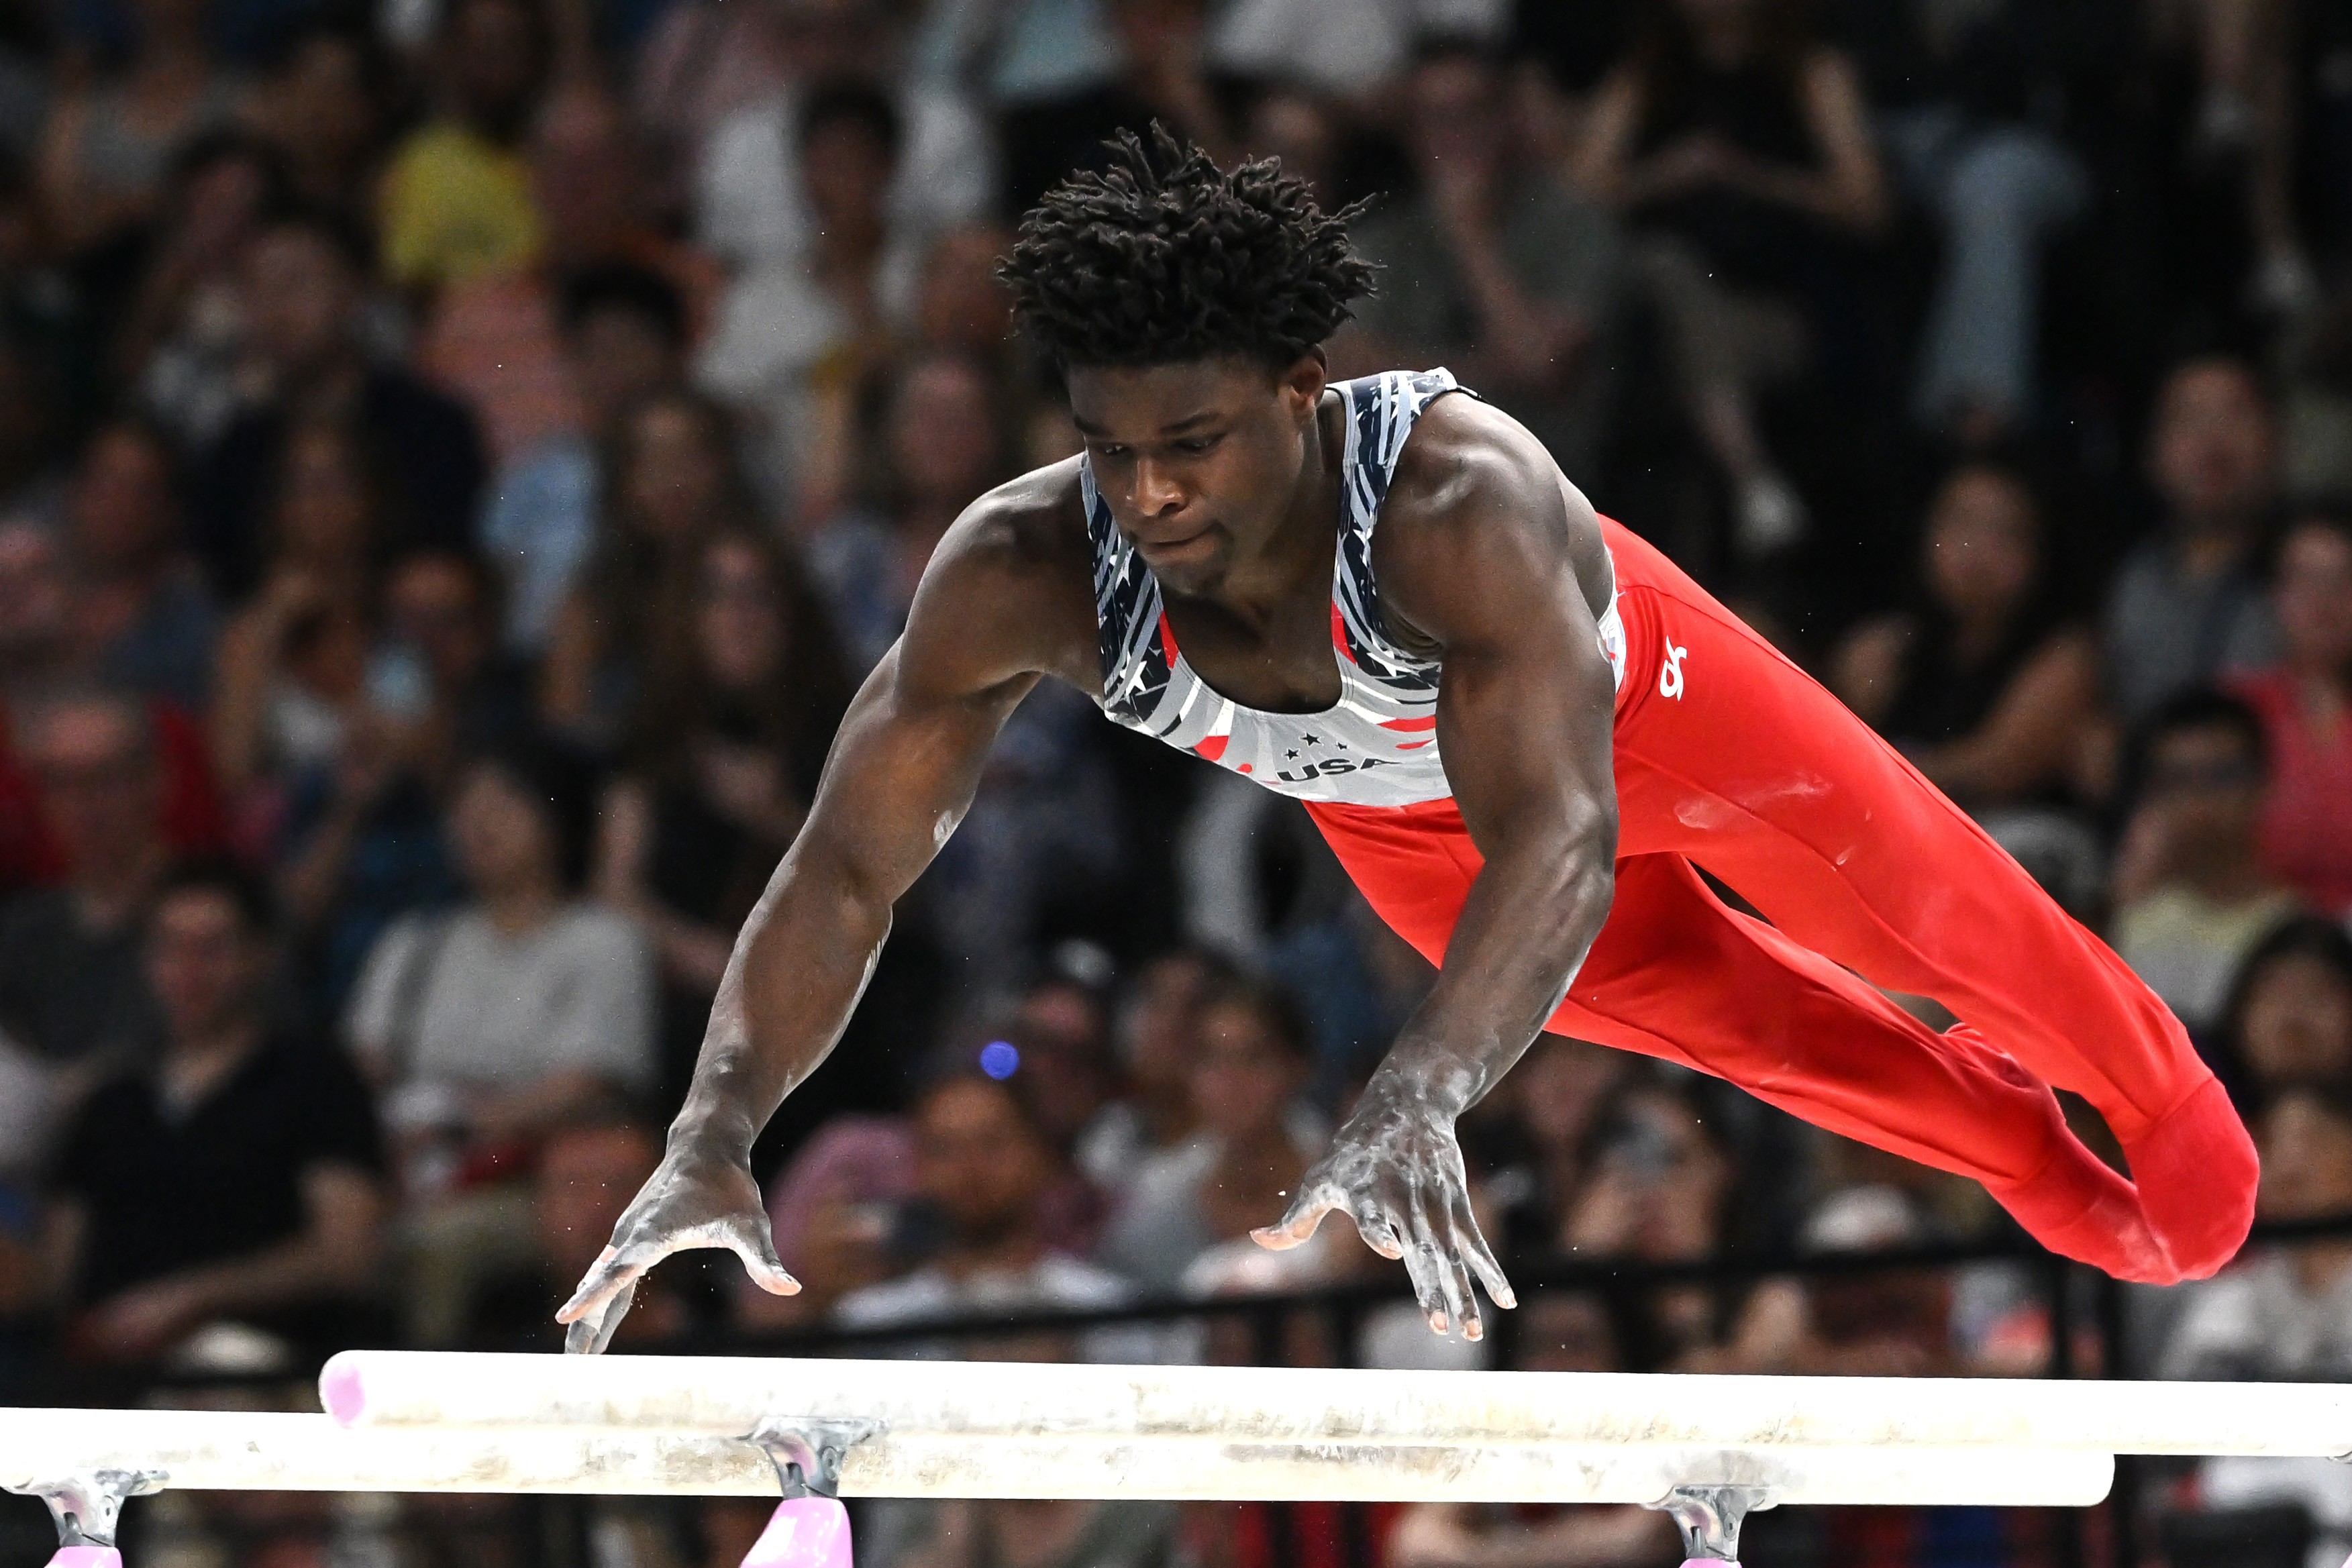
(1003, 601)
(1487, 556)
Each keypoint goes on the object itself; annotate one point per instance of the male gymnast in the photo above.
(1520, 727)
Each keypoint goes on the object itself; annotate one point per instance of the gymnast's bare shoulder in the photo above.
(1007, 597)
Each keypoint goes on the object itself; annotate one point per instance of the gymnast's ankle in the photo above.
(2196, 1172)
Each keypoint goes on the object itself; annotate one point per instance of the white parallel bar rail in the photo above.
(1023, 1401)
(235, 1450)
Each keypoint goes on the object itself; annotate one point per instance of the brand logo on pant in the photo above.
(1670, 678)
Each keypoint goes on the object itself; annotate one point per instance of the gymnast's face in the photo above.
(1201, 460)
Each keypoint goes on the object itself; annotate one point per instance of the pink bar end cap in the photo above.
(340, 1390)
(804, 1532)
(87, 1557)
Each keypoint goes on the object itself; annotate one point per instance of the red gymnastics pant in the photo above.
(1729, 757)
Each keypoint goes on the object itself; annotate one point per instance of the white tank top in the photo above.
(1378, 745)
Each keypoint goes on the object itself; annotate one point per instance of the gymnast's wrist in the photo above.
(711, 1135)
(1428, 1083)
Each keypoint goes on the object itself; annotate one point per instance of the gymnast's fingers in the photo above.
(590, 1334)
(752, 1239)
(1378, 1230)
(616, 1269)
(1315, 1200)
(1421, 1267)
(1471, 1243)
(1453, 1284)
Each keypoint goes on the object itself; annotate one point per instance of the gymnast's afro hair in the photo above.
(1163, 257)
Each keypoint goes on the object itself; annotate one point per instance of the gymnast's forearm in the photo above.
(1531, 915)
(901, 775)
(799, 966)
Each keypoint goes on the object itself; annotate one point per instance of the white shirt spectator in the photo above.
(750, 208)
(2187, 948)
(449, 998)
(2323, 1487)
(1343, 46)
(2258, 1322)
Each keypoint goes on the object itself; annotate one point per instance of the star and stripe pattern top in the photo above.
(1378, 745)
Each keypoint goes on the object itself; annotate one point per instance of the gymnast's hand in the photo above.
(695, 1199)
(1396, 1170)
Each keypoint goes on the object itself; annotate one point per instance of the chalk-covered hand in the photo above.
(1396, 1169)
(695, 1199)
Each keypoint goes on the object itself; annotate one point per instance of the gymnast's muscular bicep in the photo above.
(990, 618)
(1486, 566)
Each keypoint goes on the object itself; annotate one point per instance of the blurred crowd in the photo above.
(458, 459)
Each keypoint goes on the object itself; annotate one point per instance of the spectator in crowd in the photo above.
(1985, 685)
(624, 341)
(1250, 1057)
(304, 277)
(238, 1176)
(439, 662)
(981, 1167)
(2192, 898)
(362, 842)
(1534, 1146)
(2236, 144)
(1895, 1324)
(37, 607)
(1342, 50)
(724, 748)
(1157, 1023)
(1062, 1031)
(802, 337)
(729, 90)
(834, 1210)
(626, 330)
(36, 613)
(507, 342)
(2284, 1314)
(145, 612)
(1660, 1183)
(109, 142)
(2188, 603)
(960, 309)
(182, 343)
(294, 657)
(489, 336)
(456, 199)
(321, 107)
(1740, 151)
(2306, 704)
(70, 989)
(1972, 106)
(490, 1024)
(43, 658)
(1149, 62)
(494, 337)
(676, 483)
(1496, 268)
(2289, 1020)
(945, 445)
(43, 390)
